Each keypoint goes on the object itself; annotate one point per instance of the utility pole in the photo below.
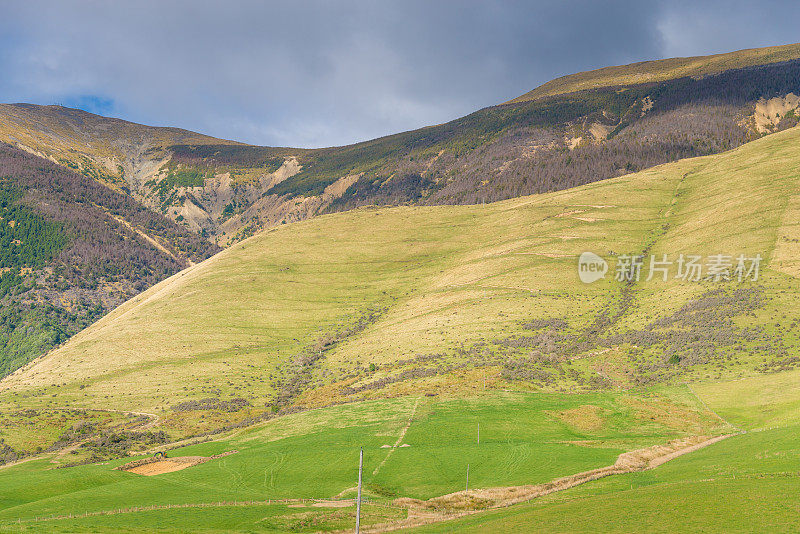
(467, 478)
(479, 433)
(358, 503)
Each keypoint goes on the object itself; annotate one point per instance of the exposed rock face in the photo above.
(769, 113)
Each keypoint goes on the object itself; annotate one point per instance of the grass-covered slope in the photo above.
(381, 302)
(739, 484)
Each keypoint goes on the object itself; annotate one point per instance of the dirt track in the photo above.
(463, 503)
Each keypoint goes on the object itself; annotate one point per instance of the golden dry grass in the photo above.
(584, 418)
(446, 277)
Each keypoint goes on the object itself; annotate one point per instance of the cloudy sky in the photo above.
(320, 73)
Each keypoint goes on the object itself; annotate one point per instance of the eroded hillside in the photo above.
(571, 131)
(71, 250)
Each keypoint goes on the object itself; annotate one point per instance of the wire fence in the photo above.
(217, 504)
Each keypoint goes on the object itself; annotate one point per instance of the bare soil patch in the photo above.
(167, 466)
(158, 466)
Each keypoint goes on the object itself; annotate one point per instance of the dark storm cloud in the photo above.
(310, 73)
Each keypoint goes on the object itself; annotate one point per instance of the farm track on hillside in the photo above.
(60, 453)
(464, 503)
(402, 435)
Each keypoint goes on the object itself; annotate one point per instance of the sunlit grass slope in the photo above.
(382, 302)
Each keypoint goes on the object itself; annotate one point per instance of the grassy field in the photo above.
(524, 438)
(738, 485)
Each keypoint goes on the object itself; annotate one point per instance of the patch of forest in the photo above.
(65, 257)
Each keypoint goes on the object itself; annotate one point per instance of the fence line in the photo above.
(218, 504)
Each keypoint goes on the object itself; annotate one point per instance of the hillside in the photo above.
(383, 302)
(444, 340)
(571, 131)
(120, 154)
(73, 249)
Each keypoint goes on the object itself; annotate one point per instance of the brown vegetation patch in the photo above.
(586, 418)
(680, 418)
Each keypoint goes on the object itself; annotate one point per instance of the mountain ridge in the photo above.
(661, 69)
(226, 190)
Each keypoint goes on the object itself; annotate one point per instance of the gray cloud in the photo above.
(314, 73)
